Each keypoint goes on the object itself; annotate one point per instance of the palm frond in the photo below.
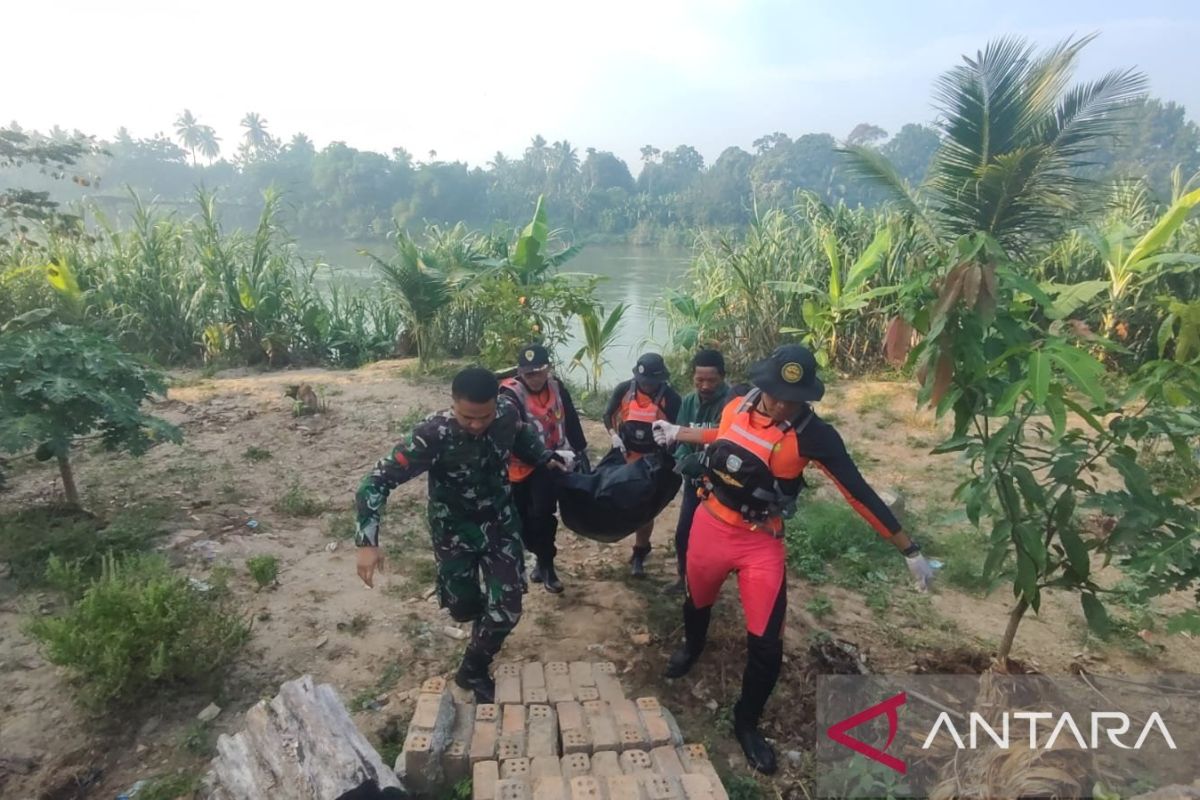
(872, 166)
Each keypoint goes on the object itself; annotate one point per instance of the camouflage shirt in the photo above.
(468, 475)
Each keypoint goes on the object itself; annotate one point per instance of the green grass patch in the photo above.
(170, 787)
(31, 537)
(820, 606)
(257, 455)
(828, 541)
(387, 681)
(298, 502)
(409, 421)
(877, 401)
(137, 630)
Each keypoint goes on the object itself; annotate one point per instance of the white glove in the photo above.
(617, 442)
(921, 569)
(664, 433)
(568, 459)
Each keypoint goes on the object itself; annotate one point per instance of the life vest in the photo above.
(546, 412)
(737, 466)
(637, 420)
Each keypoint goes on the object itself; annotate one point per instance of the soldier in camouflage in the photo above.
(472, 518)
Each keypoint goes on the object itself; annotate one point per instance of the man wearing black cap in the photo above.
(635, 406)
(545, 403)
(753, 467)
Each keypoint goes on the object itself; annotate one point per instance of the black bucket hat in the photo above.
(789, 374)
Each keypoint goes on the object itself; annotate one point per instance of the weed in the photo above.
(820, 606)
(257, 454)
(460, 791)
(139, 628)
(366, 698)
(170, 787)
(264, 570)
(880, 401)
(198, 739)
(827, 540)
(409, 421)
(297, 502)
(357, 625)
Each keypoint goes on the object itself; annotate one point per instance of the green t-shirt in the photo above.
(694, 414)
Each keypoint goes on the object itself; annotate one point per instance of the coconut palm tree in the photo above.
(256, 137)
(210, 143)
(188, 131)
(1015, 140)
(422, 288)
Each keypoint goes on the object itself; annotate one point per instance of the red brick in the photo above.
(417, 757)
(570, 716)
(649, 705)
(515, 768)
(661, 787)
(635, 761)
(630, 730)
(512, 719)
(576, 741)
(533, 676)
(511, 745)
(513, 789)
(545, 767)
(558, 682)
(456, 760)
(487, 712)
(601, 726)
(483, 742)
(542, 735)
(429, 710)
(433, 686)
(609, 688)
(576, 764)
(508, 669)
(586, 787)
(624, 787)
(508, 690)
(697, 787)
(692, 756)
(550, 788)
(605, 763)
(657, 729)
(484, 777)
(581, 674)
(666, 761)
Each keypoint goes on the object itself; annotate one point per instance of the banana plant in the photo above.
(692, 320)
(1132, 263)
(825, 310)
(598, 336)
(528, 261)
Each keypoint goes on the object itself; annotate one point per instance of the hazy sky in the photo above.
(468, 78)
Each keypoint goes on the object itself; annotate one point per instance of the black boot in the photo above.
(473, 675)
(536, 575)
(553, 584)
(695, 628)
(764, 655)
(637, 563)
(758, 750)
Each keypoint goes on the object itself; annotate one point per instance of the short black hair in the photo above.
(709, 358)
(475, 384)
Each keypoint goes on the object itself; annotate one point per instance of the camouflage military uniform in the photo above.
(473, 520)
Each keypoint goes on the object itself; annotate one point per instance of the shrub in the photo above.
(139, 629)
(264, 569)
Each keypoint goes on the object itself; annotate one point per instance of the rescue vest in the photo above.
(637, 420)
(546, 412)
(737, 466)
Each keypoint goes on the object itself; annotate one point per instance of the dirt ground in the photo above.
(375, 645)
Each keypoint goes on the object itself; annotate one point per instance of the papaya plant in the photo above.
(62, 383)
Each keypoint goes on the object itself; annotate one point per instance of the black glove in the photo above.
(583, 464)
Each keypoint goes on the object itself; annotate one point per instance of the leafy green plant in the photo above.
(598, 336)
(1003, 182)
(138, 629)
(820, 606)
(62, 383)
(264, 569)
(170, 787)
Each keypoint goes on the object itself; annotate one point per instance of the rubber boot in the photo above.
(695, 631)
(536, 575)
(763, 659)
(553, 584)
(637, 562)
(473, 676)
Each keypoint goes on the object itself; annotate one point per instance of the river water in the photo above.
(638, 276)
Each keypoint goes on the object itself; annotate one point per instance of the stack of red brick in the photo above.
(557, 731)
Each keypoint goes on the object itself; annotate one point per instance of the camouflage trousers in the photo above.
(479, 578)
